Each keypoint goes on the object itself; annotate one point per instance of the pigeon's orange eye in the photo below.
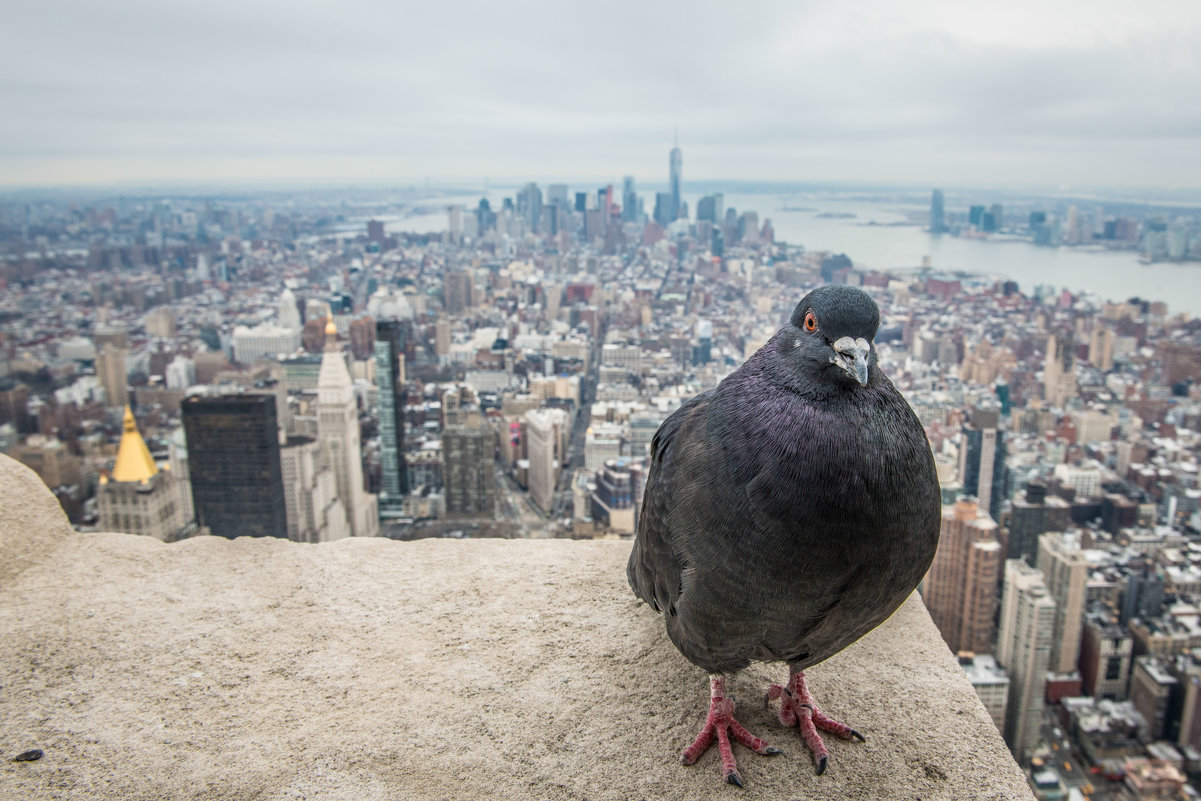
(810, 322)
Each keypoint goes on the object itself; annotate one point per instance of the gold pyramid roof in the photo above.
(134, 462)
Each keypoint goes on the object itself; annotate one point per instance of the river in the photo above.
(1112, 275)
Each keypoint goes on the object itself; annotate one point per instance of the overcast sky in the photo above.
(919, 92)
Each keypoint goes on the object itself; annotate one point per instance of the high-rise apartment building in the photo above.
(469, 470)
(990, 683)
(234, 465)
(1065, 570)
(961, 588)
(1024, 638)
(338, 430)
(389, 380)
(1106, 651)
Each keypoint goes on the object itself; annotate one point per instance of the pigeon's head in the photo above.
(829, 336)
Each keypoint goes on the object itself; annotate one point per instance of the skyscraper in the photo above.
(629, 200)
(1059, 369)
(675, 177)
(1065, 570)
(338, 430)
(234, 465)
(389, 351)
(110, 372)
(1024, 649)
(541, 440)
(938, 223)
(982, 460)
(314, 511)
(138, 498)
(470, 472)
(457, 290)
(960, 589)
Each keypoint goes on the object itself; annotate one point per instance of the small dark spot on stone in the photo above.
(934, 773)
(32, 755)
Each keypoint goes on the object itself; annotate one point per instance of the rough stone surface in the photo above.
(372, 669)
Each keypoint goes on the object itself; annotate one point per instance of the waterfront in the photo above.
(890, 244)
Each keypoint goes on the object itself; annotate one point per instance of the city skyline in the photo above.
(930, 93)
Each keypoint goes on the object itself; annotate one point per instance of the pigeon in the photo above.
(787, 512)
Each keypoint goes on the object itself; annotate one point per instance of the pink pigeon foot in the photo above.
(797, 708)
(720, 724)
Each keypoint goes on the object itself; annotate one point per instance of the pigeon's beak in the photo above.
(851, 355)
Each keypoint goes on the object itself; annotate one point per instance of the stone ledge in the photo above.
(436, 669)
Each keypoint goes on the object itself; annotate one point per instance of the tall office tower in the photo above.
(234, 465)
(289, 313)
(581, 202)
(389, 351)
(139, 498)
(961, 588)
(997, 212)
(541, 439)
(982, 460)
(454, 222)
(556, 195)
(675, 177)
(529, 206)
(663, 209)
(1100, 348)
(629, 200)
(314, 511)
(1065, 570)
(1024, 650)
(1027, 522)
(469, 473)
(938, 222)
(442, 340)
(1059, 370)
(110, 372)
(338, 430)
(456, 290)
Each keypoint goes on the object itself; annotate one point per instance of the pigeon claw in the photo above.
(720, 726)
(797, 708)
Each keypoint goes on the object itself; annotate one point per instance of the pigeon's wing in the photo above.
(655, 565)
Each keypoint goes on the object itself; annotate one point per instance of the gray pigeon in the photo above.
(788, 512)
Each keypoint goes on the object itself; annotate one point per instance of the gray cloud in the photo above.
(924, 92)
